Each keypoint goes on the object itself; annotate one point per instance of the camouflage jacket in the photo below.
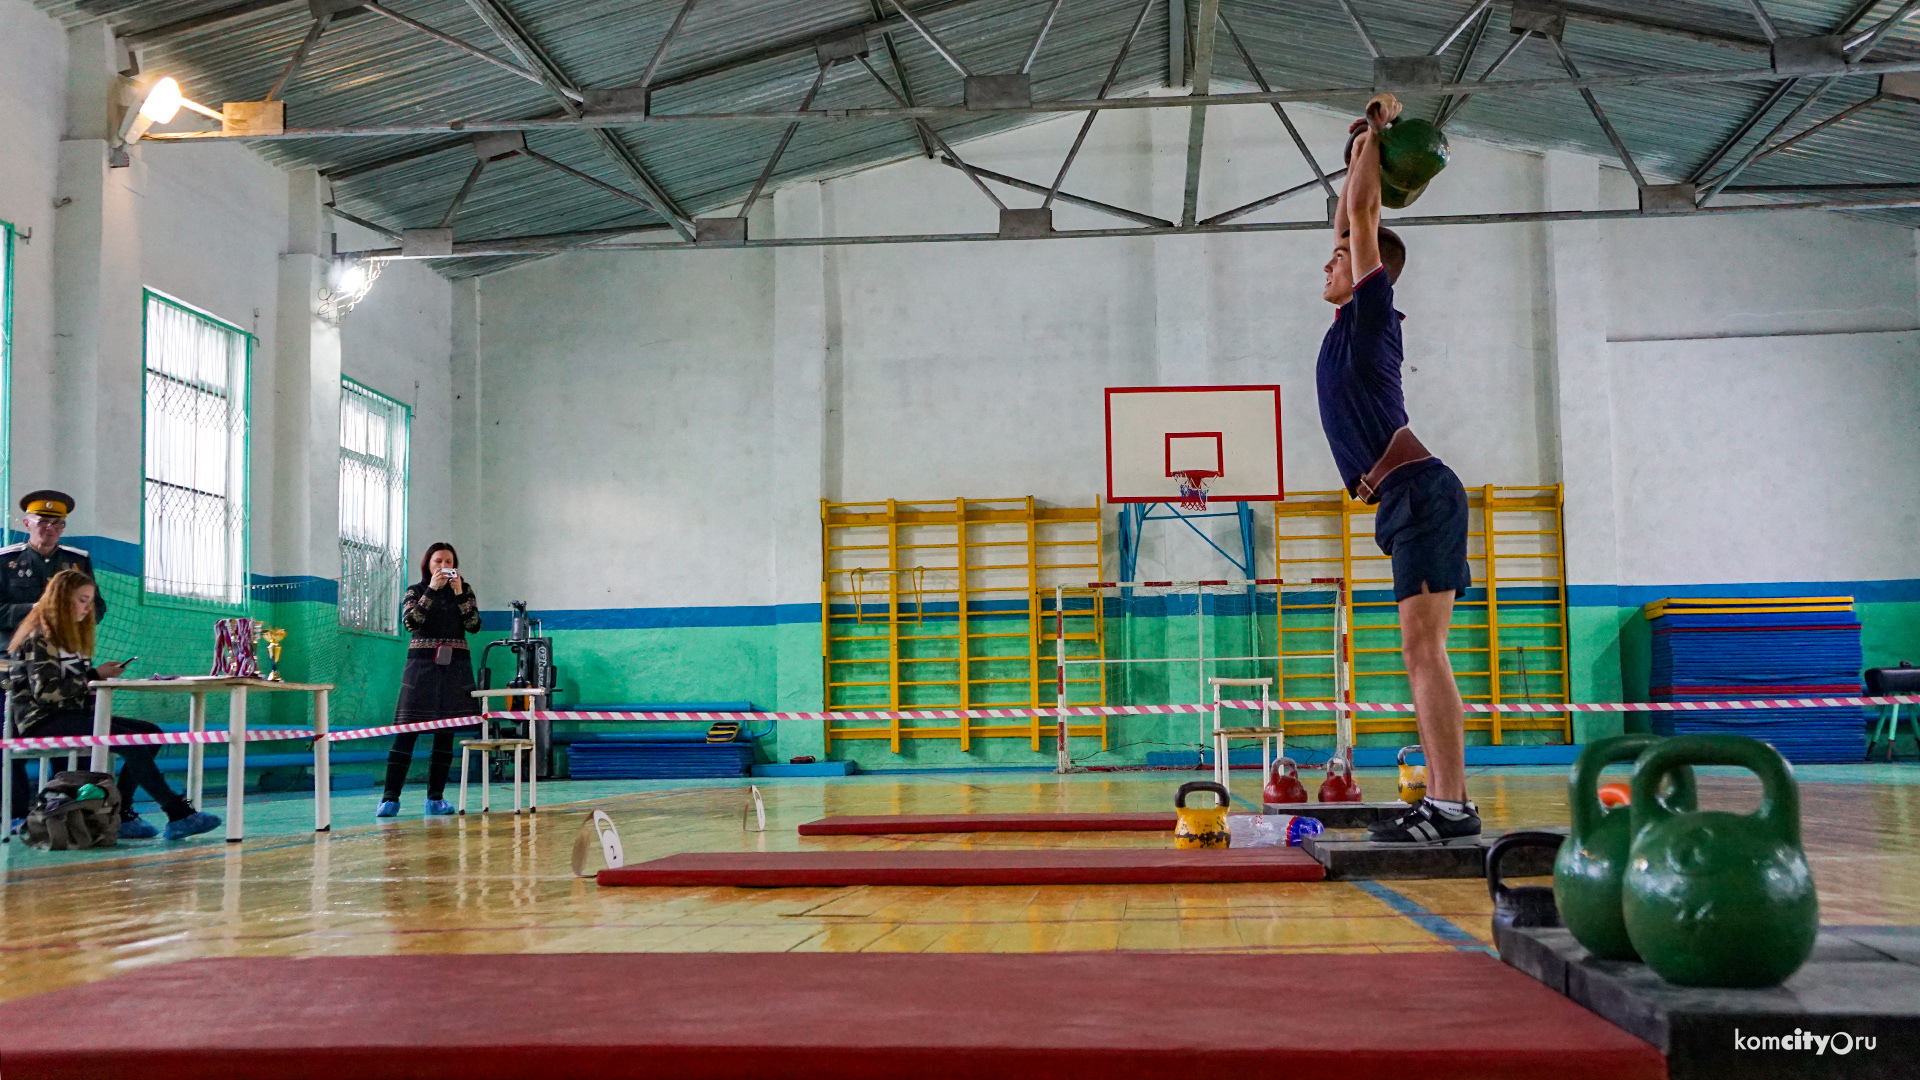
(43, 681)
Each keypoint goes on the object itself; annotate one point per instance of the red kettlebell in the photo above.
(1339, 786)
(1283, 784)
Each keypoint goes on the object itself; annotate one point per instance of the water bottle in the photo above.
(1271, 830)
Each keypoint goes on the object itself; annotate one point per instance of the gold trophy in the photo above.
(273, 636)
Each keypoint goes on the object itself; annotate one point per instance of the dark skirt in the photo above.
(430, 691)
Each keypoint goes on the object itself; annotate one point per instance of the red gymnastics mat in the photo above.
(851, 825)
(850, 1016)
(1065, 866)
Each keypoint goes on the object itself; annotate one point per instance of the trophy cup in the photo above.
(273, 636)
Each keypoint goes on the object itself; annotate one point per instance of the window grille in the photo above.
(195, 506)
(373, 508)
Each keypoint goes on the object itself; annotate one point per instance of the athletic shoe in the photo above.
(388, 808)
(1425, 823)
(137, 828)
(192, 825)
(439, 808)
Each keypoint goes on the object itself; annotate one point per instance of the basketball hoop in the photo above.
(1193, 488)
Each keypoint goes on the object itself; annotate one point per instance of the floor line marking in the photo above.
(1438, 925)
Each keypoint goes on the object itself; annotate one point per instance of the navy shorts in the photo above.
(1421, 521)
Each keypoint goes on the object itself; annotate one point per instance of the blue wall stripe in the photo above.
(1893, 591)
(123, 557)
(659, 618)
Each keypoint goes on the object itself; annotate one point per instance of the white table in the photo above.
(197, 689)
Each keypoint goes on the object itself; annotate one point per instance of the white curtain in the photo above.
(373, 507)
(196, 445)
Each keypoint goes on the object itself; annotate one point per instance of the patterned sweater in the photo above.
(44, 682)
(436, 617)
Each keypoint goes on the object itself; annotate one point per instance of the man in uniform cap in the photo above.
(26, 568)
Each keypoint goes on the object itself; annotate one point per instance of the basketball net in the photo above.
(1193, 488)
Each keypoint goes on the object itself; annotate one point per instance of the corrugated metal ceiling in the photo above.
(367, 69)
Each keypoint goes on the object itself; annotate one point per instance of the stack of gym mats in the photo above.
(1723, 650)
(658, 759)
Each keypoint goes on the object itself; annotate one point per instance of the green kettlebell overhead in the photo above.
(1718, 899)
(1588, 871)
(1412, 153)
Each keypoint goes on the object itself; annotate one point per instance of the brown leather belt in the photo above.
(1403, 449)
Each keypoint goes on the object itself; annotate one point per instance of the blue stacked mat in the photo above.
(658, 761)
(1724, 650)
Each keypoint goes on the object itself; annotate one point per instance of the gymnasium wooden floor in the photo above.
(503, 884)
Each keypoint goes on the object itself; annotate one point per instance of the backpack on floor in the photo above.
(61, 819)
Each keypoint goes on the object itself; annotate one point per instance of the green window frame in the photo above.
(376, 444)
(194, 534)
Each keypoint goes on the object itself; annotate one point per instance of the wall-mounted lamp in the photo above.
(162, 103)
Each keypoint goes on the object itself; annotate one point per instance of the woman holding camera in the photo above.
(439, 612)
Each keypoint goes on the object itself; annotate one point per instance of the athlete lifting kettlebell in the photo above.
(1420, 506)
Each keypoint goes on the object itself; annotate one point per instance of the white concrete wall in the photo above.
(1783, 458)
(976, 370)
(33, 60)
(625, 410)
(211, 226)
(398, 341)
(1764, 376)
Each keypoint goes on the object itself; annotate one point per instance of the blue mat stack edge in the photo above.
(1724, 650)
(658, 761)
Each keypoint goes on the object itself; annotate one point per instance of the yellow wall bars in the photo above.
(948, 605)
(1508, 642)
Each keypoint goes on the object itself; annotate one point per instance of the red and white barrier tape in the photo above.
(174, 738)
(164, 738)
(177, 738)
(349, 734)
(1254, 706)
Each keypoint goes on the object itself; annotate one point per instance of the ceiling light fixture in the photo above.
(162, 103)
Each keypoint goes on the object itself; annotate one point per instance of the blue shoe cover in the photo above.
(135, 828)
(439, 808)
(192, 825)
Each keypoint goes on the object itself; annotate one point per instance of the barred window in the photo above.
(373, 508)
(195, 512)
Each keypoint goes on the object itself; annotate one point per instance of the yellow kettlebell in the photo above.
(1197, 828)
(1413, 778)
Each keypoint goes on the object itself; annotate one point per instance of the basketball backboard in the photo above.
(1156, 433)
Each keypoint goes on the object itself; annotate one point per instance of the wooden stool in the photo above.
(483, 747)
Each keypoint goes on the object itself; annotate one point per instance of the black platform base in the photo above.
(1349, 856)
(1861, 990)
(1340, 815)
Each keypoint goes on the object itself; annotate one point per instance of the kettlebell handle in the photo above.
(1583, 784)
(1405, 751)
(1779, 809)
(1220, 793)
(1514, 841)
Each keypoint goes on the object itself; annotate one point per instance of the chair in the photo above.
(485, 745)
(1882, 682)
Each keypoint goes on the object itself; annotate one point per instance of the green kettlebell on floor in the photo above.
(1587, 873)
(1412, 153)
(1718, 899)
